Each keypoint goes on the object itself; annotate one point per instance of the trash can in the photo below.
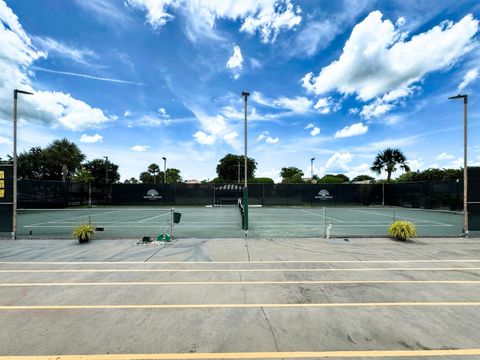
(176, 217)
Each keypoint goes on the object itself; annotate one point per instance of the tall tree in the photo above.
(388, 160)
(146, 178)
(291, 175)
(230, 166)
(132, 180)
(154, 170)
(99, 168)
(32, 164)
(83, 176)
(173, 176)
(62, 154)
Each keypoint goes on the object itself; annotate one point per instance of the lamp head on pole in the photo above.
(16, 91)
(246, 94)
(459, 96)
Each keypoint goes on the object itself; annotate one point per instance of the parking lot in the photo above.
(239, 299)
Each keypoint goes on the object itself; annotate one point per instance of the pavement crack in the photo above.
(248, 250)
(155, 253)
(271, 329)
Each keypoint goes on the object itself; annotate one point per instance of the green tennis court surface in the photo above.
(225, 222)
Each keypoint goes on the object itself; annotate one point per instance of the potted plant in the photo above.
(402, 230)
(83, 232)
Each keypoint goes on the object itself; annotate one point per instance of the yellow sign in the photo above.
(2, 174)
(2, 193)
(2, 184)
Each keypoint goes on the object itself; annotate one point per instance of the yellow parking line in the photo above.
(304, 282)
(233, 306)
(236, 270)
(258, 355)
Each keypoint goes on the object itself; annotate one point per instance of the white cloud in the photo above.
(323, 105)
(338, 162)
(50, 45)
(204, 139)
(55, 108)
(470, 76)
(127, 113)
(86, 76)
(315, 131)
(151, 121)
(444, 156)
(400, 21)
(296, 105)
(271, 140)
(258, 97)
(5, 141)
(375, 109)
(140, 148)
(268, 139)
(378, 61)
(415, 164)
(235, 63)
(455, 164)
(352, 130)
(90, 139)
(267, 17)
(255, 64)
(299, 104)
(163, 113)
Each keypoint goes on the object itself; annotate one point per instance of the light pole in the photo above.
(238, 170)
(164, 170)
(465, 173)
(245, 190)
(311, 167)
(15, 203)
(106, 169)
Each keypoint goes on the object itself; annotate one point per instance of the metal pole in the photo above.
(15, 184)
(238, 170)
(14, 220)
(311, 167)
(106, 169)
(89, 194)
(465, 169)
(245, 192)
(164, 170)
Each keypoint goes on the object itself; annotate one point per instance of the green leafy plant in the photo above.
(402, 230)
(84, 232)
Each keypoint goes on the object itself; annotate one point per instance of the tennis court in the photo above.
(225, 222)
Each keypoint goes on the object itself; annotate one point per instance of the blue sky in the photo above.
(136, 80)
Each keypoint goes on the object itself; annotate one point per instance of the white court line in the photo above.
(151, 218)
(401, 217)
(214, 283)
(320, 215)
(60, 221)
(234, 270)
(240, 306)
(242, 262)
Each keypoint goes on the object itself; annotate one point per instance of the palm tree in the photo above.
(388, 160)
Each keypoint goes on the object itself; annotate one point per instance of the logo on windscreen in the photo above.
(152, 194)
(323, 195)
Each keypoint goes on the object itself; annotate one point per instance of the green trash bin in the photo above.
(176, 217)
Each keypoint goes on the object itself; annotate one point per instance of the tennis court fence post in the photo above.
(171, 222)
(324, 222)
